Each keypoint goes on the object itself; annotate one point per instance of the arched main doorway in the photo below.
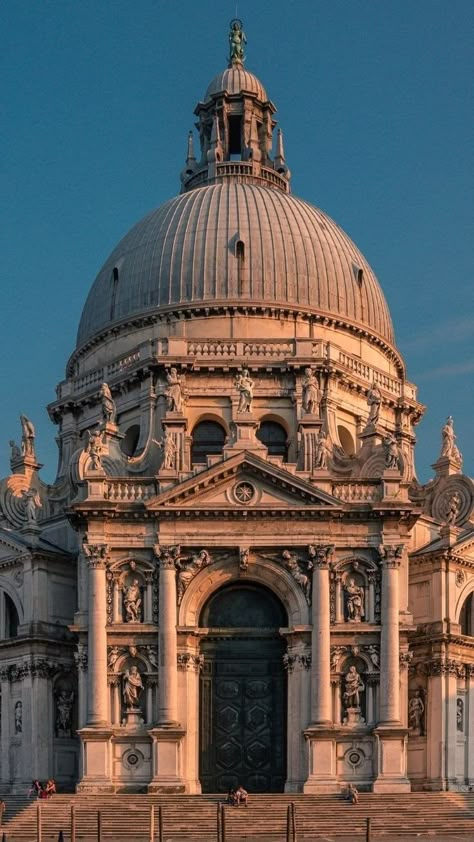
(243, 691)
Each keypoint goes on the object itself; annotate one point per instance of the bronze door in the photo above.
(243, 714)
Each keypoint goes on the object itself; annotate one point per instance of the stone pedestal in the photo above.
(391, 760)
(134, 718)
(308, 429)
(353, 718)
(321, 761)
(244, 435)
(175, 426)
(167, 760)
(96, 760)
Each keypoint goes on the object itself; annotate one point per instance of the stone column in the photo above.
(80, 658)
(97, 702)
(389, 707)
(320, 735)
(167, 639)
(321, 707)
(6, 716)
(390, 734)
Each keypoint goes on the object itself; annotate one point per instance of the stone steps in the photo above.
(126, 817)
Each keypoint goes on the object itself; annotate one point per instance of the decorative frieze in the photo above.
(34, 668)
(405, 659)
(447, 666)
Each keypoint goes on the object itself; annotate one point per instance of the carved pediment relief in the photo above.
(244, 481)
(10, 549)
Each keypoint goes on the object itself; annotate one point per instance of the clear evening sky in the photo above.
(375, 101)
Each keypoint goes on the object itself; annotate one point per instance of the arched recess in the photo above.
(273, 434)
(265, 572)
(350, 574)
(11, 609)
(123, 660)
(466, 615)
(124, 574)
(243, 690)
(208, 438)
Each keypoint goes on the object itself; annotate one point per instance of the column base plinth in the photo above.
(392, 746)
(167, 759)
(321, 740)
(96, 759)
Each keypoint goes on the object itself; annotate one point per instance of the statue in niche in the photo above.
(416, 710)
(27, 437)
(354, 686)
(18, 718)
(64, 705)
(374, 655)
(94, 447)
(245, 386)
(311, 395)
(15, 451)
(132, 601)
(354, 601)
(174, 391)
(237, 40)
(188, 568)
(31, 504)
(460, 715)
(322, 450)
(108, 404)
(295, 570)
(374, 399)
(453, 506)
(170, 450)
(132, 688)
(114, 655)
(391, 450)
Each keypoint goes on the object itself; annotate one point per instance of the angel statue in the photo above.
(94, 447)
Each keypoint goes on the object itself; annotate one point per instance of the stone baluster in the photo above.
(97, 708)
(167, 638)
(389, 710)
(321, 702)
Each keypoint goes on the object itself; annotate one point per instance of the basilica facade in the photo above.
(236, 575)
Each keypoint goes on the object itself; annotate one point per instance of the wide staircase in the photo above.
(188, 818)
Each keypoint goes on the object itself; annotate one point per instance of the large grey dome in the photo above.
(185, 253)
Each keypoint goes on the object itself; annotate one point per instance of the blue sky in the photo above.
(375, 101)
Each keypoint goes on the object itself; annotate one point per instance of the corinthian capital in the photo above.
(390, 554)
(320, 554)
(167, 556)
(97, 555)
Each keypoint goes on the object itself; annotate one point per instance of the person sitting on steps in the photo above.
(352, 794)
(241, 796)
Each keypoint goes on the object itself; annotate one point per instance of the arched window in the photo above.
(273, 436)
(11, 619)
(208, 440)
(466, 617)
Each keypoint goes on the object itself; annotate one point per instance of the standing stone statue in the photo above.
(27, 437)
(391, 451)
(174, 391)
(448, 441)
(354, 601)
(18, 718)
(237, 40)
(132, 601)
(459, 715)
(64, 703)
(15, 451)
(132, 688)
(311, 394)
(453, 507)
(374, 399)
(31, 505)
(109, 410)
(416, 709)
(322, 450)
(170, 450)
(354, 686)
(245, 386)
(94, 447)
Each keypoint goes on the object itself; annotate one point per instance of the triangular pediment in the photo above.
(11, 547)
(244, 481)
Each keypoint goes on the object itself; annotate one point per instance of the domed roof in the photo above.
(185, 253)
(234, 80)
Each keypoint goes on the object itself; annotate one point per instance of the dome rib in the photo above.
(183, 254)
